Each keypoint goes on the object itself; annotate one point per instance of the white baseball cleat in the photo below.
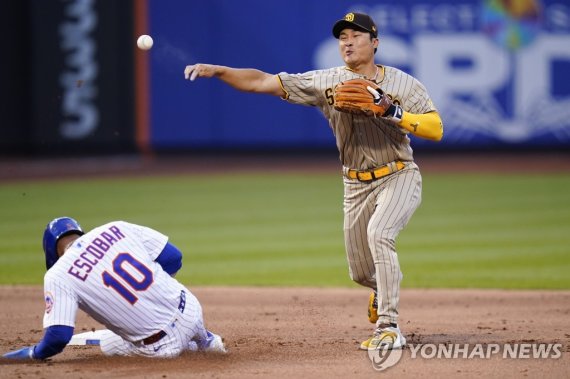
(385, 337)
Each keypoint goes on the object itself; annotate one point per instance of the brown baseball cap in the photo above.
(353, 20)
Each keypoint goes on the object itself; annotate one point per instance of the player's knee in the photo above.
(362, 279)
(361, 267)
(381, 238)
(112, 344)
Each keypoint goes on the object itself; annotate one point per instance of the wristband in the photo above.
(394, 113)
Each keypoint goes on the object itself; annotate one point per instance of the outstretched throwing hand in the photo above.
(194, 71)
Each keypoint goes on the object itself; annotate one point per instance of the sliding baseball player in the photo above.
(121, 274)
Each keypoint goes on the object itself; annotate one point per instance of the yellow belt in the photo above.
(375, 173)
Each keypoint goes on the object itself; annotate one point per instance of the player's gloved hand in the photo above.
(21, 354)
(393, 112)
(364, 97)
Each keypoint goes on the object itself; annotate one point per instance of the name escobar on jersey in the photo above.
(94, 252)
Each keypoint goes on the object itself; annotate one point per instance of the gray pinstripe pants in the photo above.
(374, 214)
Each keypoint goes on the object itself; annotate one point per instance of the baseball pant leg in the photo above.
(359, 203)
(182, 333)
(399, 197)
(112, 344)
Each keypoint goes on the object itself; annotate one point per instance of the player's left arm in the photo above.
(156, 244)
(55, 339)
(170, 259)
(426, 125)
(417, 114)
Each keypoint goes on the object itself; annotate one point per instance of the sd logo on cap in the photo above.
(356, 21)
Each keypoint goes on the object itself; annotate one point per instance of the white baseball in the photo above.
(144, 42)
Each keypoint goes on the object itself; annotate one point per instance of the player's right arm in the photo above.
(59, 320)
(243, 79)
(55, 339)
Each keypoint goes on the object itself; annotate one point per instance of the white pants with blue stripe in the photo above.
(186, 331)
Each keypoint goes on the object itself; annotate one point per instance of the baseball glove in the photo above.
(361, 96)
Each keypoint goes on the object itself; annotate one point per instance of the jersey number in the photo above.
(140, 284)
(329, 94)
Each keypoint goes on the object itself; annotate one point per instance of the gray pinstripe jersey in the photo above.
(375, 212)
(363, 142)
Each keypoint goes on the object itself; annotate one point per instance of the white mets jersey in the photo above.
(110, 273)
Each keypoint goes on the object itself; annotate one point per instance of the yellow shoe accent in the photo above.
(373, 308)
(388, 338)
(364, 345)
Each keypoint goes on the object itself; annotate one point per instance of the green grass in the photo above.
(481, 231)
(490, 231)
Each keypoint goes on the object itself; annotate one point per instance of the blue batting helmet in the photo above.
(56, 229)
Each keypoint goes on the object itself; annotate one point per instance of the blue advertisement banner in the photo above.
(498, 71)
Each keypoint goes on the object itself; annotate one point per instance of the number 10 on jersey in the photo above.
(131, 284)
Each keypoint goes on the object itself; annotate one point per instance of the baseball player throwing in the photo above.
(371, 109)
(121, 274)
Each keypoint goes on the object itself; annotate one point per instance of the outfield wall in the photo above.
(67, 77)
(498, 74)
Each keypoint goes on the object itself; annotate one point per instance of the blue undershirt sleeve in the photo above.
(170, 259)
(54, 341)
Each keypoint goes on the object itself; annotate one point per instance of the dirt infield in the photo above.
(312, 332)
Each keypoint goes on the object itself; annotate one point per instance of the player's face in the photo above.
(356, 47)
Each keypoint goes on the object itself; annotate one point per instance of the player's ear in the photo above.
(60, 246)
(64, 242)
